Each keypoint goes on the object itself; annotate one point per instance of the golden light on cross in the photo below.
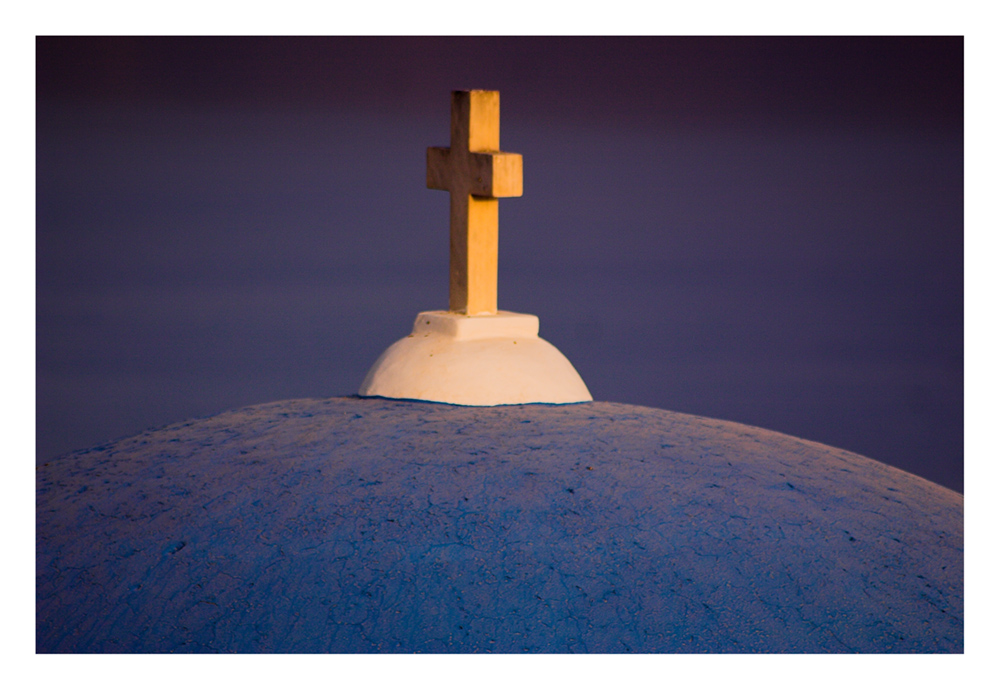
(473, 354)
(477, 174)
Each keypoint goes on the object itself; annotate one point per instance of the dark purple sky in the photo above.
(660, 82)
(766, 230)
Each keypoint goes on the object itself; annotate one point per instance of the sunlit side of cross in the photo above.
(477, 174)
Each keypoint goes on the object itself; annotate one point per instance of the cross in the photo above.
(477, 174)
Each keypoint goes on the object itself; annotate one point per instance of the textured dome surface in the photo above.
(372, 525)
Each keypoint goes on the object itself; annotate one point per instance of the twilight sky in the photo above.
(764, 230)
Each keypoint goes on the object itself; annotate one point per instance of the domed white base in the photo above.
(475, 360)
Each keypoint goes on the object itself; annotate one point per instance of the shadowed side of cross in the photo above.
(477, 174)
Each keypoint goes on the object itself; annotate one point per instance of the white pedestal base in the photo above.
(475, 360)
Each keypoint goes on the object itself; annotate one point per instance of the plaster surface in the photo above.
(495, 359)
(373, 525)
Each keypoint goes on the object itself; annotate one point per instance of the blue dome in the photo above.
(372, 525)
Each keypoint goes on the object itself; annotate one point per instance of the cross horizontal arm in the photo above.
(496, 175)
(438, 168)
(486, 174)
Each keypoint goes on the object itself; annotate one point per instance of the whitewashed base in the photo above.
(475, 360)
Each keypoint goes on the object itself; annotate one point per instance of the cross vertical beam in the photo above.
(477, 174)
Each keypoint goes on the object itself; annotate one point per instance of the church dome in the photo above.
(375, 525)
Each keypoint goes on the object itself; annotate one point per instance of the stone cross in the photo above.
(476, 173)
